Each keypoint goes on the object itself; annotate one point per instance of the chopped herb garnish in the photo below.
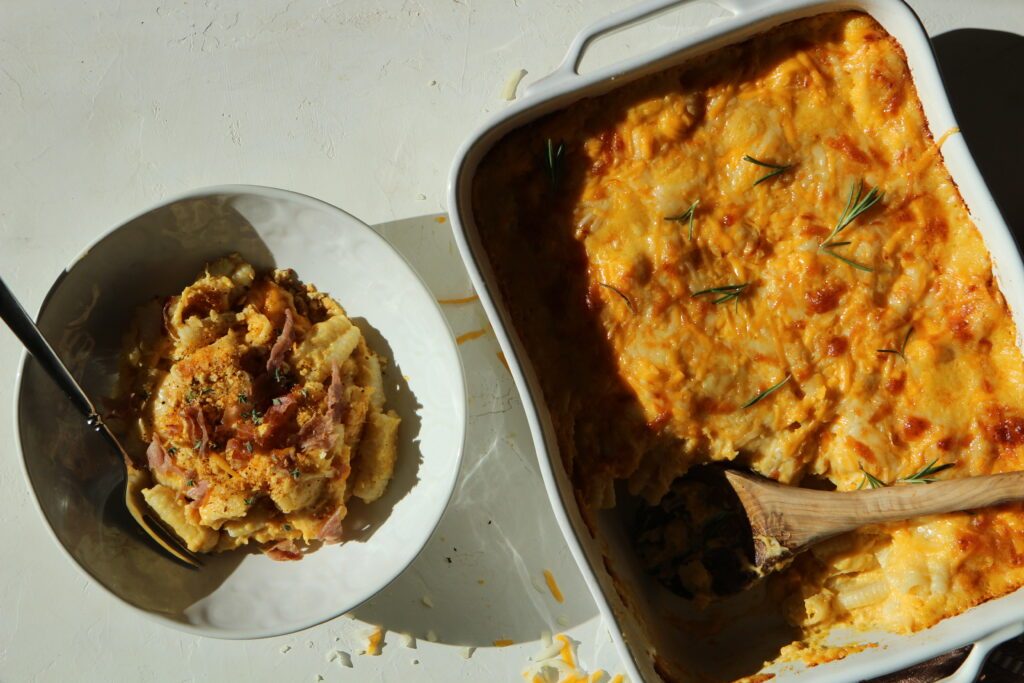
(858, 203)
(770, 390)
(190, 483)
(304, 392)
(629, 302)
(206, 390)
(276, 401)
(903, 347)
(172, 450)
(728, 292)
(296, 473)
(242, 398)
(924, 476)
(190, 397)
(248, 446)
(197, 445)
(553, 156)
(287, 527)
(776, 168)
(687, 217)
(278, 377)
(250, 500)
(253, 416)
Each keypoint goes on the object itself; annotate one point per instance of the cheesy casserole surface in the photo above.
(263, 411)
(759, 257)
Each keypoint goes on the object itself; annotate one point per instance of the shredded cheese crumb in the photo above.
(556, 592)
(408, 640)
(426, 600)
(285, 648)
(374, 641)
(431, 636)
(504, 642)
(467, 652)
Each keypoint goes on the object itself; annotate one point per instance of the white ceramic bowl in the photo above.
(242, 595)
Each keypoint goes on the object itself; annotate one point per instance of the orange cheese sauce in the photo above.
(604, 252)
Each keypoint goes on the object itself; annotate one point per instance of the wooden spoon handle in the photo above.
(912, 500)
(796, 517)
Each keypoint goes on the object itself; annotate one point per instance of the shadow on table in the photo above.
(480, 578)
(982, 73)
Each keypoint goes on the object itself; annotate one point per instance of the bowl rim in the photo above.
(460, 416)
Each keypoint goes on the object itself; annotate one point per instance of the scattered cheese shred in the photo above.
(557, 663)
(504, 642)
(556, 593)
(462, 300)
(374, 641)
(470, 336)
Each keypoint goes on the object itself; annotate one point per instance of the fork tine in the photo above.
(167, 540)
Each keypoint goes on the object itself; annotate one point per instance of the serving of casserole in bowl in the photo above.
(763, 245)
(319, 419)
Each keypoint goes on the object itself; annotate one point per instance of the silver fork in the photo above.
(135, 474)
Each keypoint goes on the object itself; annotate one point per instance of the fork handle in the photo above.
(12, 313)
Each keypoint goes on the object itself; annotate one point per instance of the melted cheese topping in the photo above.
(645, 378)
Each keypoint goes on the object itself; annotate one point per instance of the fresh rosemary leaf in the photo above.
(858, 202)
(770, 390)
(776, 168)
(849, 262)
(553, 156)
(903, 347)
(872, 480)
(728, 292)
(686, 216)
(629, 302)
(924, 476)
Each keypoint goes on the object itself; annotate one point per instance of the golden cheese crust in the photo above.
(876, 350)
(263, 410)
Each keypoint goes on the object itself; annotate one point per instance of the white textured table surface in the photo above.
(107, 107)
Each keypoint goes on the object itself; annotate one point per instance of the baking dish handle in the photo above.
(971, 667)
(569, 68)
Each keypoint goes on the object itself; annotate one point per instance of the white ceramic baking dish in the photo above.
(645, 637)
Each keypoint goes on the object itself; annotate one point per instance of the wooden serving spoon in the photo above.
(787, 520)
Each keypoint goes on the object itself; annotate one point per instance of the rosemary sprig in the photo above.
(553, 156)
(629, 302)
(777, 168)
(770, 390)
(924, 476)
(871, 479)
(858, 203)
(728, 292)
(686, 216)
(903, 347)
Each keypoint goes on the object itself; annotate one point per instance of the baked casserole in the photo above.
(759, 258)
(263, 410)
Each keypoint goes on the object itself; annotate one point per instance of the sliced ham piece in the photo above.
(199, 492)
(283, 343)
(317, 434)
(336, 395)
(196, 421)
(278, 422)
(283, 551)
(330, 532)
(160, 461)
